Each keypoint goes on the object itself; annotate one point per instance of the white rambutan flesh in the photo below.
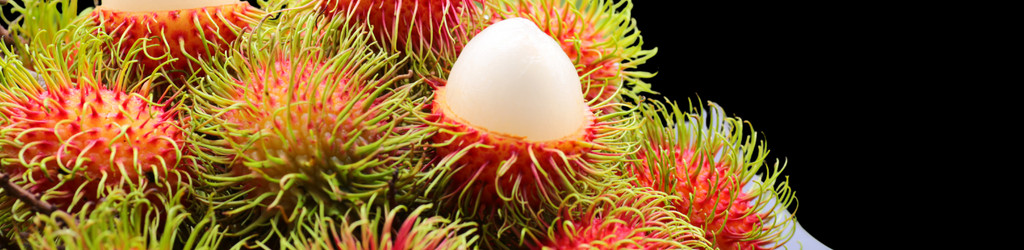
(515, 80)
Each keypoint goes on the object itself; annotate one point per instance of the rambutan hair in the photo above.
(302, 118)
(126, 221)
(622, 217)
(603, 42)
(383, 227)
(705, 158)
(78, 129)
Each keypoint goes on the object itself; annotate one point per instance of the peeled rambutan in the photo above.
(599, 36)
(622, 218)
(85, 131)
(515, 134)
(300, 126)
(181, 32)
(705, 158)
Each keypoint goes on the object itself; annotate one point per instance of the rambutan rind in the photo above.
(512, 185)
(705, 158)
(302, 122)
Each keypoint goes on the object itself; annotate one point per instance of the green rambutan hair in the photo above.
(383, 227)
(305, 116)
(706, 158)
(126, 221)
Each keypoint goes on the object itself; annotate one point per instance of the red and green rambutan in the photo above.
(418, 26)
(375, 227)
(705, 158)
(86, 131)
(302, 122)
(622, 218)
(516, 136)
(600, 37)
(39, 20)
(177, 33)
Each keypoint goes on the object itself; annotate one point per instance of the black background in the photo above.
(810, 81)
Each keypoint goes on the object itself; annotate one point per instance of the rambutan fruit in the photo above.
(86, 132)
(181, 32)
(298, 125)
(125, 221)
(599, 36)
(622, 218)
(39, 20)
(705, 158)
(375, 227)
(515, 134)
(419, 26)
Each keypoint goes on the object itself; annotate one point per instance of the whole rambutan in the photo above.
(599, 36)
(374, 227)
(124, 221)
(516, 135)
(299, 125)
(418, 26)
(180, 32)
(86, 131)
(622, 218)
(705, 158)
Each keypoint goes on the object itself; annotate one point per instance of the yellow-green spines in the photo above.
(305, 116)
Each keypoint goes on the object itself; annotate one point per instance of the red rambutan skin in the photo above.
(103, 130)
(220, 26)
(711, 197)
(478, 170)
(433, 19)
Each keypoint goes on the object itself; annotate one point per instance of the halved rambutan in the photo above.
(516, 135)
(705, 158)
(85, 131)
(600, 37)
(299, 125)
(182, 32)
(622, 218)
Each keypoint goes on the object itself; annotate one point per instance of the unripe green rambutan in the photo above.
(85, 133)
(602, 41)
(516, 136)
(303, 121)
(622, 218)
(125, 221)
(373, 227)
(704, 158)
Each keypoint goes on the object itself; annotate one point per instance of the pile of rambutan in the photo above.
(372, 124)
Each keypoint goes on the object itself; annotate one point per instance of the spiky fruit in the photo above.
(81, 134)
(600, 37)
(124, 221)
(516, 135)
(42, 20)
(622, 218)
(373, 227)
(308, 121)
(181, 32)
(704, 158)
(421, 26)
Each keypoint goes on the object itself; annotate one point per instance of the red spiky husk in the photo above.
(421, 24)
(109, 132)
(712, 196)
(220, 25)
